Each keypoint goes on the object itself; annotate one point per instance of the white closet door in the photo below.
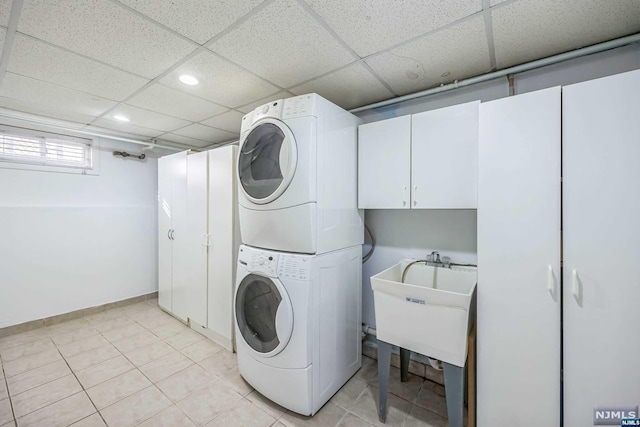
(164, 233)
(518, 323)
(224, 245)
(197, 236)
(601, 207)
(444, 158)
(384, 164)
(180, 262)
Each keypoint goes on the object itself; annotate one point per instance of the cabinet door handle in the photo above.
(415, 195)
(205, 240)
(404, 196)
(551, 281)
(575, 285)
(172, 237)
(169, 234)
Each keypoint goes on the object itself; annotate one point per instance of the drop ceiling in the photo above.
(87, 61)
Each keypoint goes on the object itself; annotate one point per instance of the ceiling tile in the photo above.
(127, 128)
(252, 106)
(68, 101)
(350, 87)
(531, 29)
(220, 81)
(147, 119)
(461, 51)
(229, 121)
(206, 133)
(370, 26)
(105, 31)
(44, 110)
(184, 140)
(5, 12)
(199, 20)
(175, 103)
(33, 58)
(283, 44)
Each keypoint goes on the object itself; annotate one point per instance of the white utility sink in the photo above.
(430, 312)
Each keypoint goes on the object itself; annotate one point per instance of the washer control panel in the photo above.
(257, 261)
(294, 267)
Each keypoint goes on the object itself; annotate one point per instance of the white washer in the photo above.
(297, 177)
(298, 322)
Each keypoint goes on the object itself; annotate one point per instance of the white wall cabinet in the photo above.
(172, 221)
(518, 325)
(422, 161)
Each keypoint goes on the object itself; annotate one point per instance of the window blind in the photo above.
(44, 149)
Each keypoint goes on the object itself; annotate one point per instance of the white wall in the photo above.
(413, 234)
(70, 241)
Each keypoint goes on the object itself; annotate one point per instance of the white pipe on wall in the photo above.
(612, 44)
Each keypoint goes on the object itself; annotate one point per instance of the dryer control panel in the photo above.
(299, 106)
(294, 267)
(271, 109)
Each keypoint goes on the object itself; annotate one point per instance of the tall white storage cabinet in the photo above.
(601, 229)
(518, 324)
(172, 220)
(213, 241)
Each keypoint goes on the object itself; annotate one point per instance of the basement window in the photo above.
(31, 149)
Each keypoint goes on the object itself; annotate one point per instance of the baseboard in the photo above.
(77, 314)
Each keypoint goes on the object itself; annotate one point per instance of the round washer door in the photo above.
(263, 314)
(267, 161)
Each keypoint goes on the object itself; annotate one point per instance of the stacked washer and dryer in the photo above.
(298, 299)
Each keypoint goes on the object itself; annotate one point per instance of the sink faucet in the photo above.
(433, 259)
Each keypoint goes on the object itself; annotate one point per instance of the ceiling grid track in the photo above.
(488, 29)
(14, 18)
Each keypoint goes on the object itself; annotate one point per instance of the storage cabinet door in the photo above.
(444, 158)
(164, 233)
(601, 203)
(180, 264)
(197, 238)
(384, 165)
(518, 311)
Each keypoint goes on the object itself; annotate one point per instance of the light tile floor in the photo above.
(136, 365)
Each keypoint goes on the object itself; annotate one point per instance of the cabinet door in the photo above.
(444, 158)
(223, 216)
(384, 165)
(179, 254)
(518, 311)
(164, 233)
(601, 234)
(197, 240)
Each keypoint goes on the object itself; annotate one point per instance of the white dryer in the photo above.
(297, 177)
(298, 322)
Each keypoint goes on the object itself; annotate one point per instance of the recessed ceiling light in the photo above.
(188, 80)
(121, 118)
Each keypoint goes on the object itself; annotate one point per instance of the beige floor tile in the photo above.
(350, 420)
(123, 332)
(101, 372)
(94, 420)
(129, 344)
(67, 326)
(11, 423)
(271, 408)
(408, 390)
(367, 407)
(37, 377)
(23, 338)
(220, 362)
(369, 370)
(27, 349)
(243, 414)
(36, 398)
(6, 415)
(149, 353)
(4, 393)
(61, 413)
(28, 363)
(112, 325)
(328, 415)
(82, 345)
(92, 357)
(170, 329)
(432, 397)
(235, 380)
(419, 417)
(278, 424)
(184, 339)
(104, 316)
(170, 417)
(155, 320)
(183, 383)
(201, 350)
(166, 366)
(75, 335)
(349, 393)
(117, 388)
(207, 403)
(136, 408)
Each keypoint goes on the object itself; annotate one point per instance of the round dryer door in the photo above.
(267, 161)
(264, 314)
